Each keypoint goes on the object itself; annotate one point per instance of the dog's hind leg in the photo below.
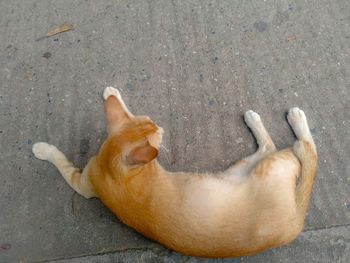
(264, 141)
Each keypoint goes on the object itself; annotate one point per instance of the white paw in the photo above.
(251, 118)
(43, 150)
(297, 119)
(110, 91)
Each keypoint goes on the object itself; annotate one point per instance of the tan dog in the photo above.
(258, 203)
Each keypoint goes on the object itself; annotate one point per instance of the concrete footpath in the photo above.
(194, 67)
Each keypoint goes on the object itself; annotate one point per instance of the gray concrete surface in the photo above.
(195, 67)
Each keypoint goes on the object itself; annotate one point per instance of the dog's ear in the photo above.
(116, 111)
(141, 155)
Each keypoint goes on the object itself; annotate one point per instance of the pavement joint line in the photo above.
(324, 228)
(101, 253)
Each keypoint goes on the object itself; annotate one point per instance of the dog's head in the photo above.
(133, 140)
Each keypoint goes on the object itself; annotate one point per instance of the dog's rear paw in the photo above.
(296, 116)
(110, 91)
(297, 119)
(43, 150)
(251, 118)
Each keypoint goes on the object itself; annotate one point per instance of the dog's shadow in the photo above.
(91, 210)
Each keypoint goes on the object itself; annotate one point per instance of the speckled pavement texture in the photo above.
(194, 67)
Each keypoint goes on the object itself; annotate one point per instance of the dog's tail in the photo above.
(307, 155)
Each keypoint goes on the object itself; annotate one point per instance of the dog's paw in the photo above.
(296, 116)
(43, 150)
(251, 118)
(297, 119)
(110, 91)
